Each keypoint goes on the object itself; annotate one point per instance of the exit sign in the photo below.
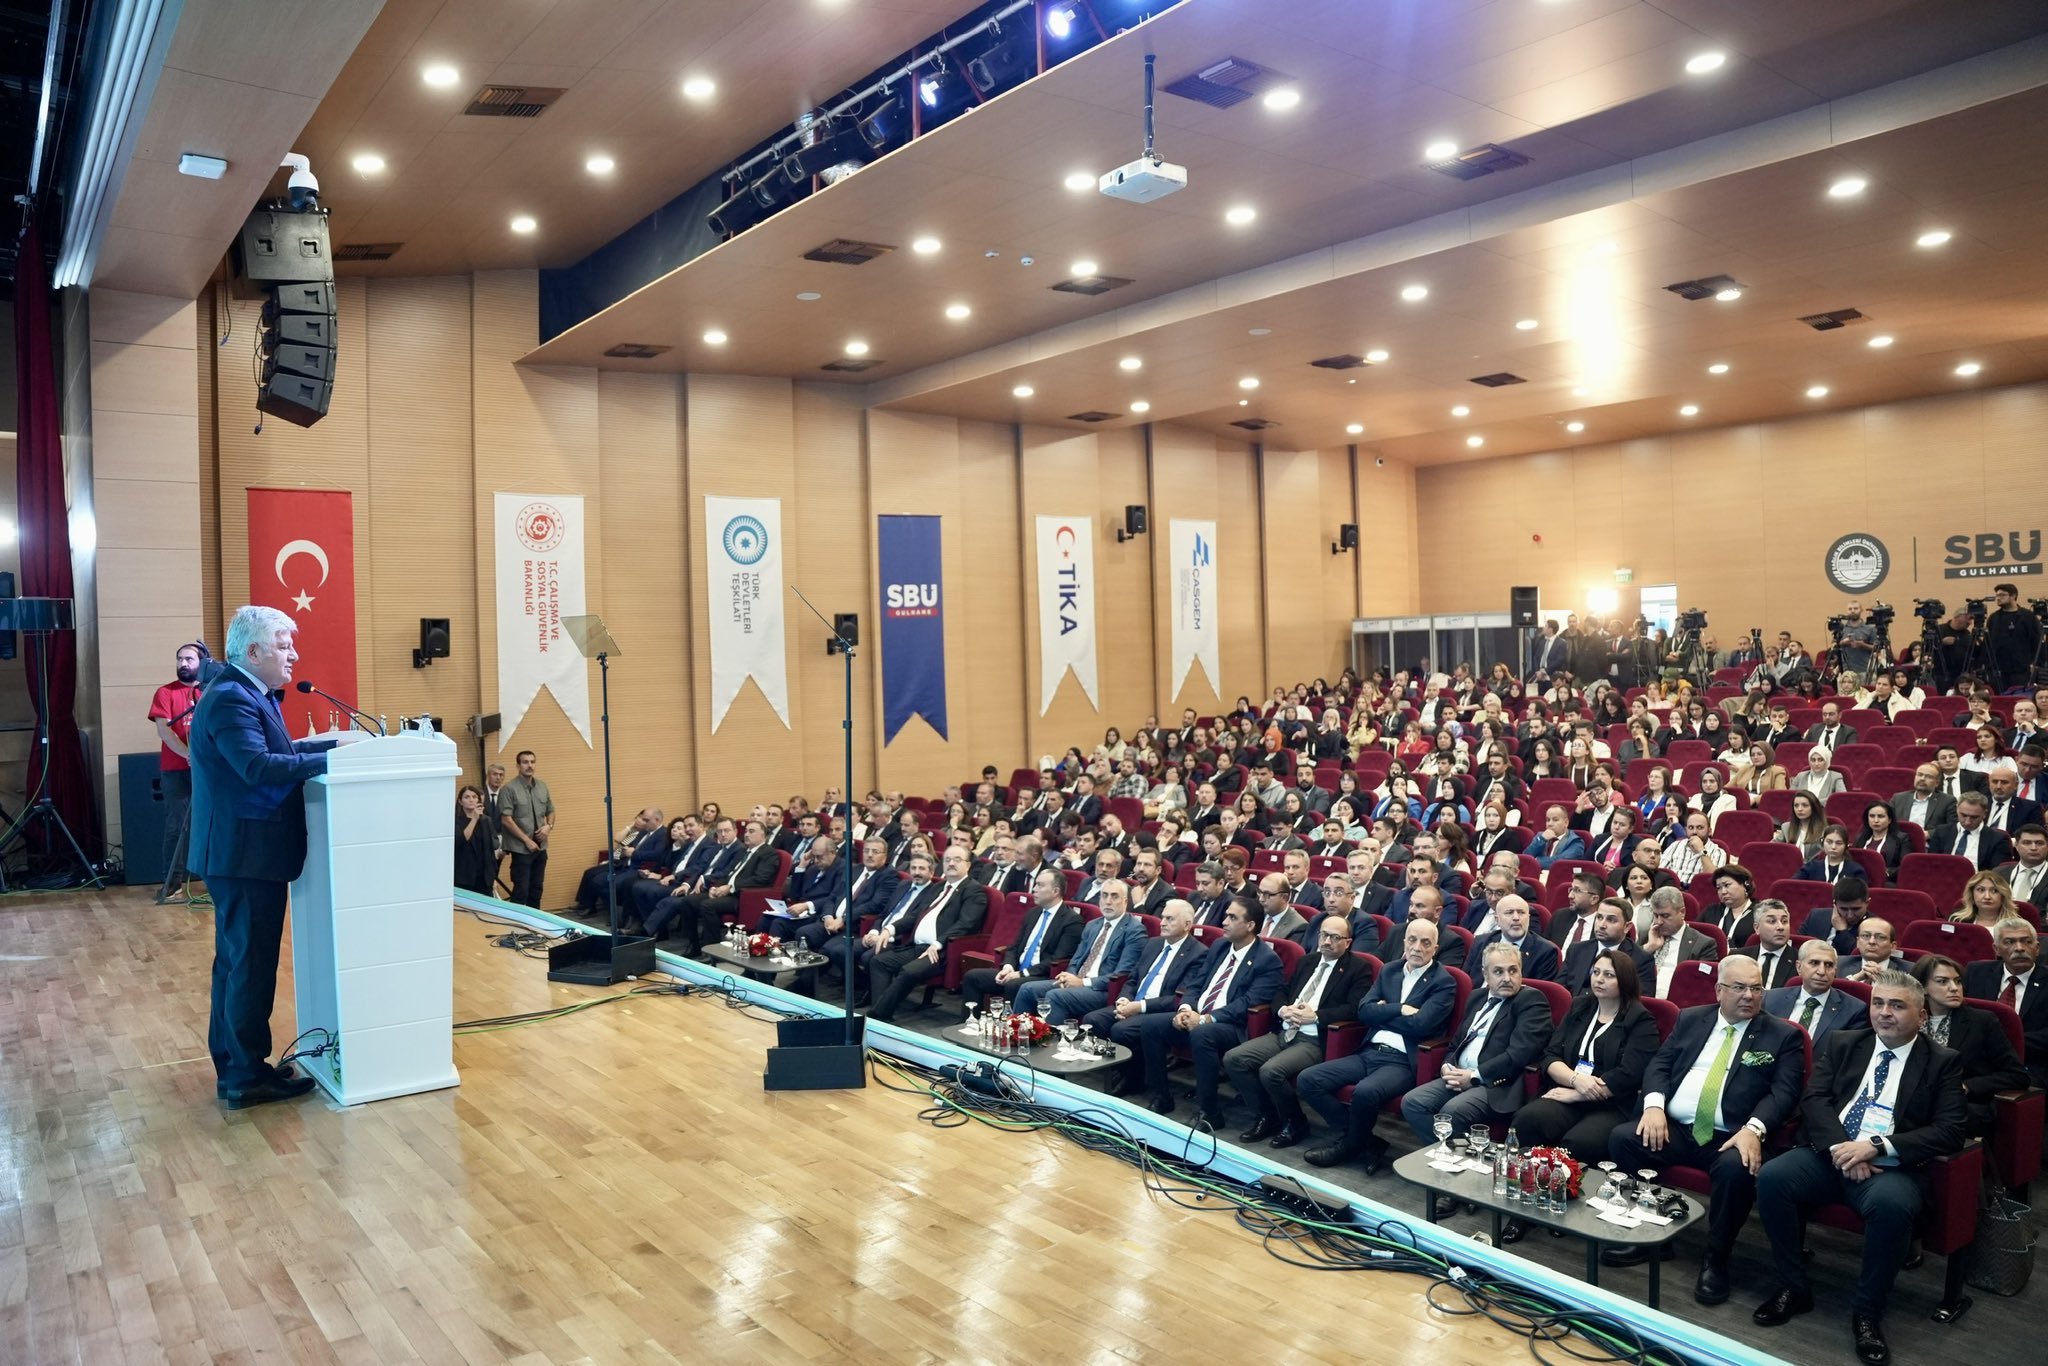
(1624, 576)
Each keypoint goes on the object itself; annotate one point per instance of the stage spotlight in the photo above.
(933, 86)
(1008, 58)
(885, 128)
(1059, 19)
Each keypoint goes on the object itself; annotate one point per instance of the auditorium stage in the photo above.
(614, 1185)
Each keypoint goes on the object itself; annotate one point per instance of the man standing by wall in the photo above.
(171, 709)
(527, 810)
(249, 843)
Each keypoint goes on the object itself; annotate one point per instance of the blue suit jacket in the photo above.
(724, 858)
(875, 895)
(824, 886)
(1839, 1011)
(248, 785)
(1432, 998)
(1571, 846)
(1256, 982)
(1124, 948)
(1180, 973)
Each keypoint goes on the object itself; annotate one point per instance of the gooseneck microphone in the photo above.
(368, 720)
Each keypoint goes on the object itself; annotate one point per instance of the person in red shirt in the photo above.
(171, 710)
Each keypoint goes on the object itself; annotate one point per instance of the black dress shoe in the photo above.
(1288, 1136)
(1372, 1156)
(1634, 1256)
(1161, 1103)
(1512, 1231)
(1330, 1154)
(1119, 1083)
(281, 1075)
(1262, 1128)
(1712, 1285)
(1780, 1308)
(1213, 1121)
(1871, 1347)
(1444, 1207)
(265, 1092)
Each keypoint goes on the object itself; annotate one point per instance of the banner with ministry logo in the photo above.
(743, 573)
(1193, 547)
(539, 539)
(1066, 606)
(913, 624)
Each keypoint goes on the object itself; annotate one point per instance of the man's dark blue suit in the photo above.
(249, 843)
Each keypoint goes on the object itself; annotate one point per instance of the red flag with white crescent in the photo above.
(302, 561)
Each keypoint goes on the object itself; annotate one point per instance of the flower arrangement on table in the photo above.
(762, 945)
(1554, 1158)
(1026, 1031)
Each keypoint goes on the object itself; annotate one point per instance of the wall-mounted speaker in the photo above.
(433, 642)
(1522, 606)
(1134, 522)
(846, 626)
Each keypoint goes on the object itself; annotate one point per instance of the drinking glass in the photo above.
(1068, 1029)
(973, 1026)
(1609, 1188)
(1479, 1141)
(1646, 1195)
(1441, 1126)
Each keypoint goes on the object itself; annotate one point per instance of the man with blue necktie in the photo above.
(1047, 936)
(903, 904)
(1238, 973)
(1162, 972)
(1109, 949)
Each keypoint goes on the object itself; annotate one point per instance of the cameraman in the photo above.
(1855, 642)
(2011, 640)
(1952, 648)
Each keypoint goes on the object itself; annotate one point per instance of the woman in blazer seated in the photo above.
(1593, 1067)
(1989, 1064)
(1823, 782)
(1881, 834)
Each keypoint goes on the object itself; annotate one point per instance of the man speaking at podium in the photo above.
(249, 843)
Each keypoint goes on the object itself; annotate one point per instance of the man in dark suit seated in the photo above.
(658, 902)
(1504, 1030)
(1924, 803)
(916, 953)
(2009, 810)
(1410, 1003)
(1953, 778)
(874, 886)
(1339, 899)
(1773, 949)
(817, 885)
(1212, 896)
(902, 904)
(1812, 1002)
(2017, 981)
(1877, 950)
(1323, 992)
(1047, 936)
(1497, 784)
(1237, 973)
(1610, 921)
(677, 873)
(1880, 1106)
(1572, 924)
(1972, 836)
(1830, 734)
(1148, 892)
(2027, 874)
(701, 918)
(1723, 1081)
(248, 842)
(1539, 959)
(1647, 855)
(1109, 948)
(1165, 965)
(1301, 891)
(1837, 924)
(640, 845)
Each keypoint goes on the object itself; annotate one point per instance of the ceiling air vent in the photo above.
(1254, 424)
(1475, 162)
(1705, 288)
(1828, 322)
(847, 365)
(1499, 380)
(367, 251)
(1092, 415)
(1091, 284)
(842, 252)
(637, 350)
(514, 101)
(1222, 84)
(1339, 362)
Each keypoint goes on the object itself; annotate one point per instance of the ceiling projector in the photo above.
(1144, 180)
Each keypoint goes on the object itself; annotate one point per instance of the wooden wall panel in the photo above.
(1124, 609)
(832, 561)
(1290, 512)
(1389, 562)
(1339, 572)
(990, 691)
(1238, 538)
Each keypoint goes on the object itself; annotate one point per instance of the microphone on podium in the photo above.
(306, 687)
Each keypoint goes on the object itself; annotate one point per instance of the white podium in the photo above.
(373, 942)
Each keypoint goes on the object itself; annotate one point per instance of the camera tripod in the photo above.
(42, 816)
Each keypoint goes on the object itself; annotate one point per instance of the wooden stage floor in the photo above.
(613, 1186)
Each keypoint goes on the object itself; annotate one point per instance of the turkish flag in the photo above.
(302, 561)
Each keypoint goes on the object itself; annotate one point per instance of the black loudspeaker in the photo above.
(295, 398)
(8, 640)
(846, 626)
(1347, 535)
(277, 246)
(142, 819)
(813, 1055)
(1521, 606)
(433, 642)
(1134, 519)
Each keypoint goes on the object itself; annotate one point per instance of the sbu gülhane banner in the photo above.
(743, 574)
(1193, 546)
(913, 624)
(539, 540)
(1066, 606)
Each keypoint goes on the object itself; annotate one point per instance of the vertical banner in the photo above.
(1193, 547)
(913, 624)
(302, 561)
(743, 573)
(1066, 606)
(539, 539)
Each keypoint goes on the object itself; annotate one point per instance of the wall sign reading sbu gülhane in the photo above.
(1858, 562)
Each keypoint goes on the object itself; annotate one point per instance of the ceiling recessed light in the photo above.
(1475, 442)
(1461, 411)
(1580, 391)
(1248, 382)
(1082, 269)
(1526, 325)
(440, 76)
(1022, 391)
(925, 246)
(1729, 295)
(1816, 391)
(699, 88)
(957, 311)
(856, 348)
(1240, 214)
(1262, 331)
(1719, 367)
(1848, 187)
(1443, 149)
(600, 165)
(523, 223)
(1130, 363)
(809, 296)
(1376, 356)
(1415, 294)
(1968, 368)
(1699, 64)
(1078, 181)
(1139, 405)
(1355, 429)
(1880, 341)
(1689, 410)
(1281, 98)
(1244, 403)
(1938, 237)
(369, 163)
(1575, 427)
(714, 338)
